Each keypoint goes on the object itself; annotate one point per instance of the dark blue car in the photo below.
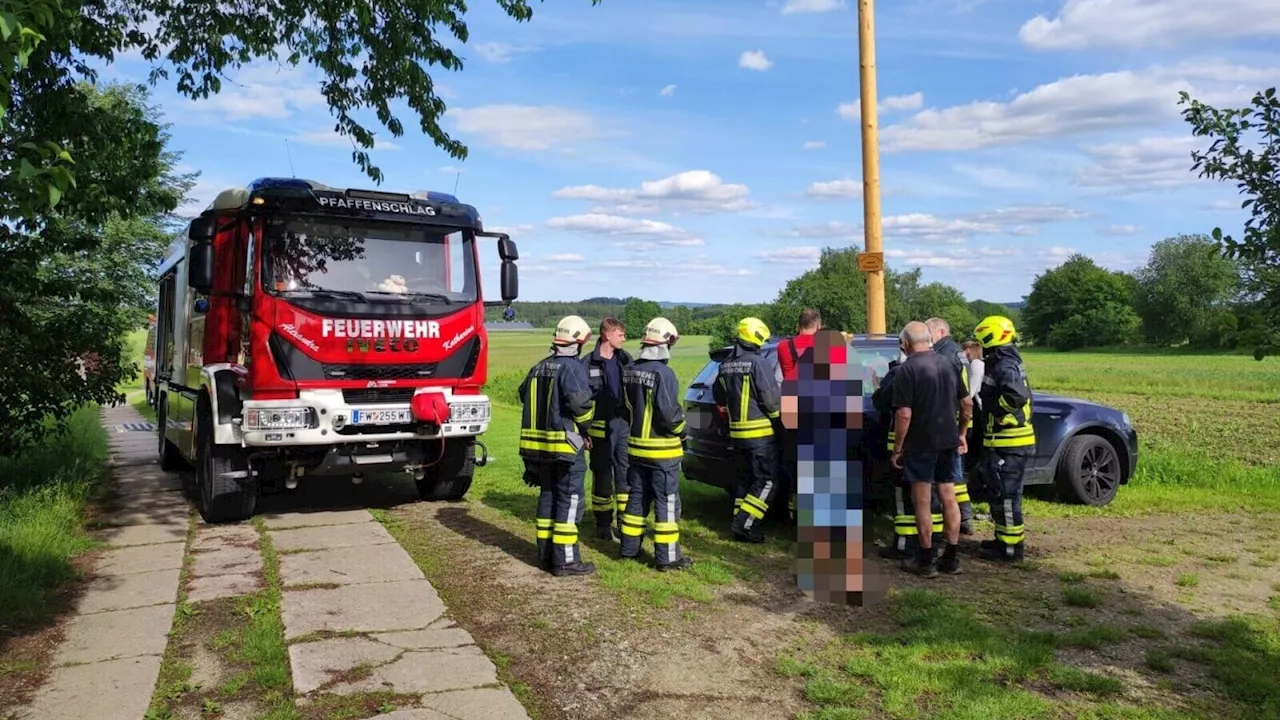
(1084, 449)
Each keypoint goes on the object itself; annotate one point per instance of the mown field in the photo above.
(1165, 604)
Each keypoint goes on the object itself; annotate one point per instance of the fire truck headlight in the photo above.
(285, 418)
(468, 412)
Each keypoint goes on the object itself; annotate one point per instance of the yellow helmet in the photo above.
(753, 331)
(572, 329)
(660, 331)
(994, 331)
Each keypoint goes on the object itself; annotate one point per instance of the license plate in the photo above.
(394, 416)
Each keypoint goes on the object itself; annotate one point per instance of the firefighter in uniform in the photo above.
(608, 431)
(1008, 437)
(748, 389)
(945, 345)
(655, 447)
(905, 531)
(557, 411)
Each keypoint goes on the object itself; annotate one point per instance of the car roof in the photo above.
(856, 341)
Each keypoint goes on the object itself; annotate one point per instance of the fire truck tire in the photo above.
(170, 460)
(450, 479)
(221, 499)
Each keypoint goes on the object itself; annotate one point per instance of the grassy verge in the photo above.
(940, 657)
(46, 493)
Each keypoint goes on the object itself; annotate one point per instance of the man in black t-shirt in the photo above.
(931, 412)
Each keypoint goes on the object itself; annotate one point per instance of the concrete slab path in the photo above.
(109, 658)
(360, 617)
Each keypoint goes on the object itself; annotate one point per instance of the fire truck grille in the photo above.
(377, 395)
(379, 372)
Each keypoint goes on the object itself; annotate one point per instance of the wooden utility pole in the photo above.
(871, 261)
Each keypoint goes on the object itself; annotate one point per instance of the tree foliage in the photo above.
(1183, 289)
(1078, 287)
(371, 58)
(1246, 150)
(75, 283)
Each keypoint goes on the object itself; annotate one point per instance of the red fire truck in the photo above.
(305, 331)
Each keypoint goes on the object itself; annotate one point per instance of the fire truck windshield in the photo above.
(371, 261)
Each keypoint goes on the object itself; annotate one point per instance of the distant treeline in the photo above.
(546, 314)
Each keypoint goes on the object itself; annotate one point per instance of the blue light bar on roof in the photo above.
(433, 196)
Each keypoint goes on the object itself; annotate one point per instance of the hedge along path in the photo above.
(109, 657)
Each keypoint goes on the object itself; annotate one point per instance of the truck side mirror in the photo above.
(507, 250)
(200, 267)
(201, 229)
(510, 282)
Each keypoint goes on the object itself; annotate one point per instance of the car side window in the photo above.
(707, 376)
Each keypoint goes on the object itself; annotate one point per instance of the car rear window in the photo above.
(707, 375)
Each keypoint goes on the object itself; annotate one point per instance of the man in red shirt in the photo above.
(789, 352)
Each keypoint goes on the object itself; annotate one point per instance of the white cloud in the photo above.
(835, 190)
(698, 191)
(754, 60)
(527, 127)
(330, 138)
(1123, 230)
(853, 110)
(451, 170)
(513, 231)
(617, 226)
(1132, 24)
(811, 6)
(1145, 164)
(926, 228)
(496, 52)
(565, 258)
(667, 91)
(261, 91)
(799, 255)
(1075, 105)
(815, 145)
(994, 177)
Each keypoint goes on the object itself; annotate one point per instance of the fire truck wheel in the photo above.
(450, 479)
(221, 499)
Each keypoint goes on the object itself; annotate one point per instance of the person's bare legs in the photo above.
(950, 512)
(921, 496)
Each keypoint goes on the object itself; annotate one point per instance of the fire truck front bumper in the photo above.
(323, 417)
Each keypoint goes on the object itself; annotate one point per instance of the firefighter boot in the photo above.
(998, 551)
(683, 563)
(577, 568)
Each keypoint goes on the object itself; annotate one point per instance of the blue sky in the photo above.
(706, 150)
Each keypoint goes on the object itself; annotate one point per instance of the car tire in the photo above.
(1089, 472)
(450, 478)
(221, 499)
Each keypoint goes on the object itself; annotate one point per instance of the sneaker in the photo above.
(578, 568)
(923, 569)
(682, 564)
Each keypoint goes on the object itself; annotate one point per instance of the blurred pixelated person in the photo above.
(824, 404)
(749, 390)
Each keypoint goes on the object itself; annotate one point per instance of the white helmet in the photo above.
(660, 331)
(572, 330)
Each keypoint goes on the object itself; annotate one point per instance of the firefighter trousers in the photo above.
(906, 535)
(1002, 476)
(655, 485)
(560, 504)
(764, 471)
(609, 462)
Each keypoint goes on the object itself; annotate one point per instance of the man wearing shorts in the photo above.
(932, 409)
